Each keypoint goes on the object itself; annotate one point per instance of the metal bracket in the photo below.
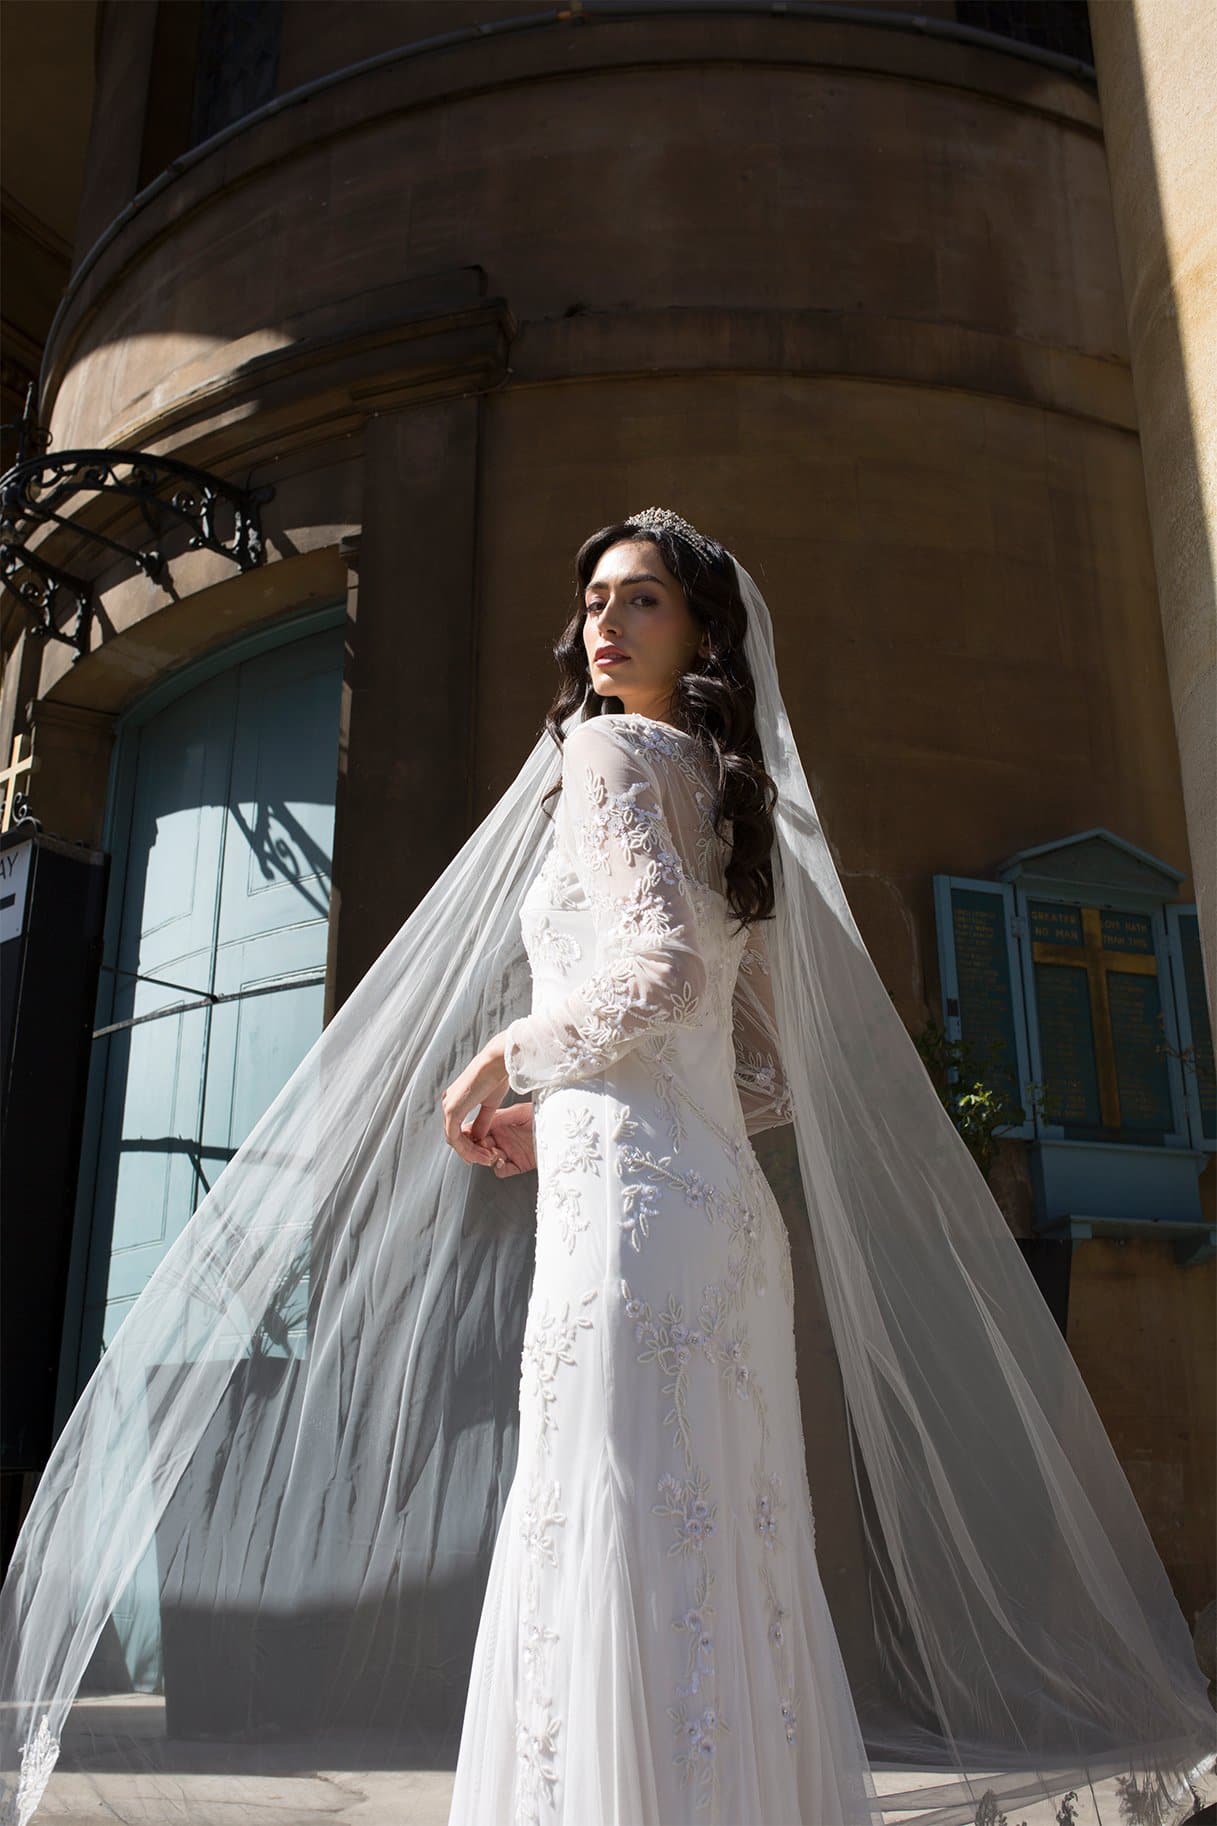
(169, 495)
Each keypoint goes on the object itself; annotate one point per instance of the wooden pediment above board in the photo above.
(1090, 864)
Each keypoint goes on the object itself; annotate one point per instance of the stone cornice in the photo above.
(864, 345)
(465, 63)
(324, 381)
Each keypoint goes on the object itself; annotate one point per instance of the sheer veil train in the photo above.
(274, 1501)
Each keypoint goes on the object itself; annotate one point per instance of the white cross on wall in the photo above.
(9, 779)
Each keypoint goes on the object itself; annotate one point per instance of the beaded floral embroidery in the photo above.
(561, 1196)
(537, 1726)
(719, 1338)
(549, 1343)
(555, 947)
(38, 1757)
(649, 974)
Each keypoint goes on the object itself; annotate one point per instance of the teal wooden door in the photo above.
(225, 892)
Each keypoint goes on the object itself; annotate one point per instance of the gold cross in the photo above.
(1096, 961)
(8, 780)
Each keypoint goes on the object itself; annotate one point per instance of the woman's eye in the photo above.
(594, 608)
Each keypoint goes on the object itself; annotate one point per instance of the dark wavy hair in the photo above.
(714, 701)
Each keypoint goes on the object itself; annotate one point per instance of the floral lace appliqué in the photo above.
(560, 1200)
(536, 1771)
(616, 820)
(561, 949)
(38, 1757)
(688, 1503)
(537, 1726)
(651, 972)
(559, 881)
(675, 1346)
(550, 1343)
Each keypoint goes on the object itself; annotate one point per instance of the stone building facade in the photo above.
(457, 283)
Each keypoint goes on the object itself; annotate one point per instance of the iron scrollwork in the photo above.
(169, 495)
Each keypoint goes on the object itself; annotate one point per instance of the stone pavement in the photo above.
(212, 1789)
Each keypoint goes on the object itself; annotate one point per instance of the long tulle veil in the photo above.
(260, 1543)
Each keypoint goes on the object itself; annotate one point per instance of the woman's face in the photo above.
(635, 608)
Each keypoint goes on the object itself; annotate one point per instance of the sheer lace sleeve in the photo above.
(760, 1077)
(648, 970)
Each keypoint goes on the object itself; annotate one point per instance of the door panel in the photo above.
(226, 890)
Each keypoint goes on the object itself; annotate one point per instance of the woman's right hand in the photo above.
(509, 1136)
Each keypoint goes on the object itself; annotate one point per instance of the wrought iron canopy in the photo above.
(168, 495)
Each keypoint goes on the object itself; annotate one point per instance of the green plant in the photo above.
(967, 1087)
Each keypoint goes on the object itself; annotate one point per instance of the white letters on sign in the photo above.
(14, 880)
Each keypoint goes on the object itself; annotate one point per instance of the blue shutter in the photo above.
(1195, 1029)
(981, 977)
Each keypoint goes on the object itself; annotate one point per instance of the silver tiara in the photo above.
(674, 523)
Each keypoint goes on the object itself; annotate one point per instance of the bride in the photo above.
(382, 1361)
(655, 1644)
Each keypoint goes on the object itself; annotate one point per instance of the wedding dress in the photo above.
(655, 1644)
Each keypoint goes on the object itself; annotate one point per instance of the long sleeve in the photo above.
(760, 1076)
(648, 971)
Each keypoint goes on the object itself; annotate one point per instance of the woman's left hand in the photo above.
(483, 1081)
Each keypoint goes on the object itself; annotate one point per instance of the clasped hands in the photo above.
(498, 1138)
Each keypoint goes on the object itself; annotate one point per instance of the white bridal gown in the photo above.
(655, 1645)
